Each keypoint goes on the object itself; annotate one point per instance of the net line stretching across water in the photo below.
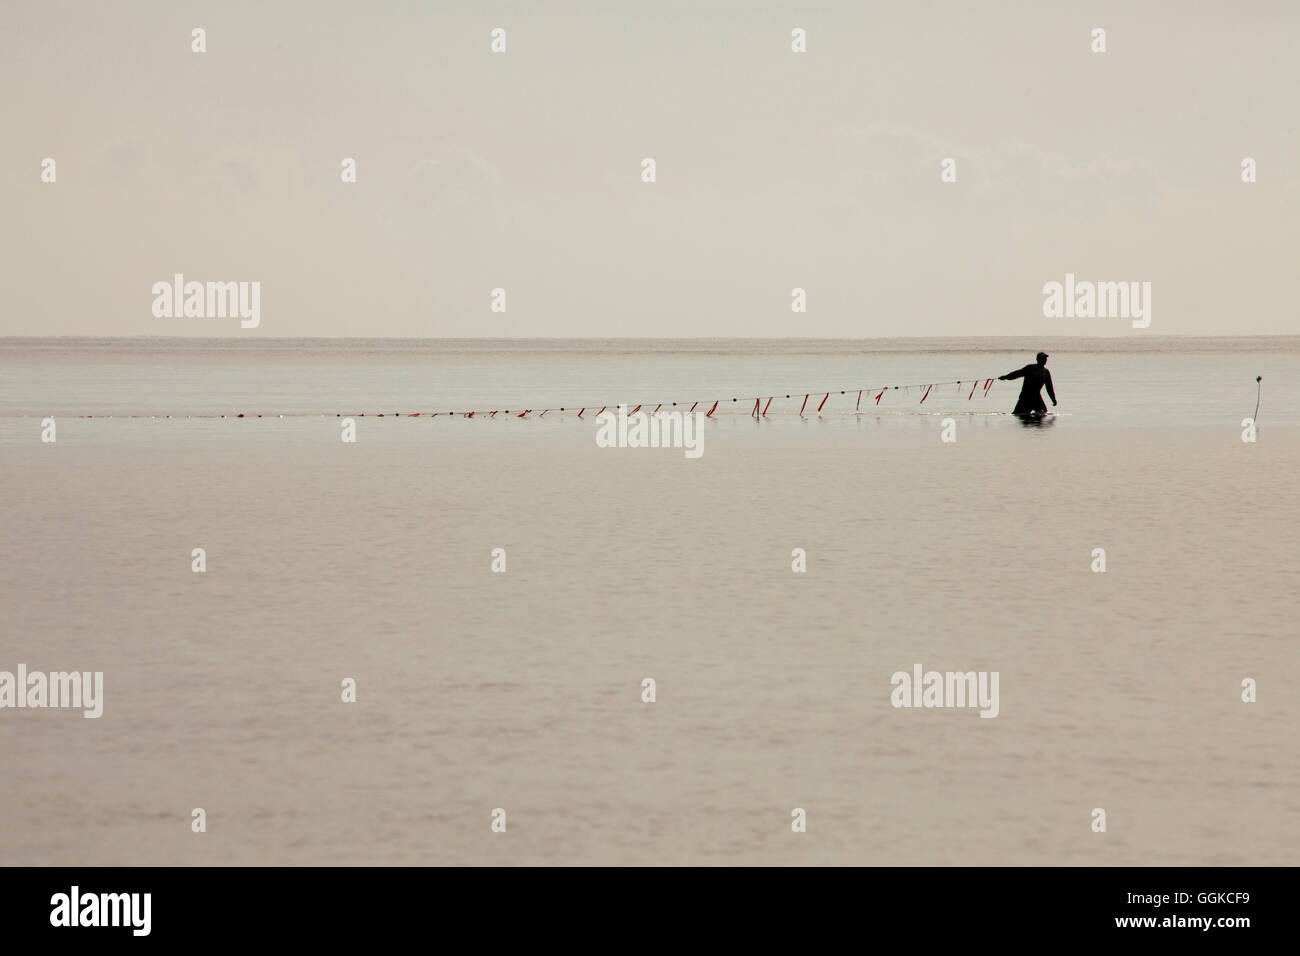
(761, 406)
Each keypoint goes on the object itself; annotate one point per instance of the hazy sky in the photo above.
(522, 170)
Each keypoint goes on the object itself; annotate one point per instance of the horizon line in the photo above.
(642, 338)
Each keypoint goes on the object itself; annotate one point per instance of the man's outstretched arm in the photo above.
(1051, 392)
(1018, 373)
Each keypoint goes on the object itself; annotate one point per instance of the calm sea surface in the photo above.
(522, 690)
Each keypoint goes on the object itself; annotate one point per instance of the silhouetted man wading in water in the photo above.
(1031, 397)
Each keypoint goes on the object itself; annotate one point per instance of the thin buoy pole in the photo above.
(1258, 388)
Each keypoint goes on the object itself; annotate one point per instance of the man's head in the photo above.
(1042, 358)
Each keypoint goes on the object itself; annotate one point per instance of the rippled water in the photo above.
(523, 690)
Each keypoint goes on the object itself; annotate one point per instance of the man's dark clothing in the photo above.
(1031, 397)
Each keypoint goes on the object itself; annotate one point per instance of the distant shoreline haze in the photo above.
(625, 345)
